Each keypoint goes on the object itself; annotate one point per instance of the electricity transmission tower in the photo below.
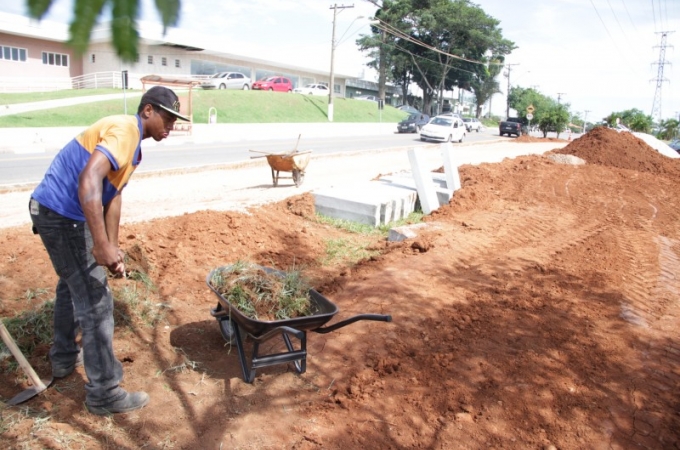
(656, 105)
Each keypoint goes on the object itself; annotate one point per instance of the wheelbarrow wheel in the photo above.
(228, 332)
(298, 177)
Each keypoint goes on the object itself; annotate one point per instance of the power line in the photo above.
(618, 23)
(382, 25)
(628, 13)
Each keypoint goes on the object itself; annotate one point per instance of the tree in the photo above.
(446, 43)
(669, 129)
(554, 119)
(124, 15)
(634, 119)
(484, 84)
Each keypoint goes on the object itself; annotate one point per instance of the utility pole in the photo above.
(331, 88)
(559, 96)
(656, 104)
(507, 98)
(585, 119)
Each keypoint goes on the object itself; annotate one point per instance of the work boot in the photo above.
(61, 372)
(131, 401)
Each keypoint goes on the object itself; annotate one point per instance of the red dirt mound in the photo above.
(608, 147)
(527, 138)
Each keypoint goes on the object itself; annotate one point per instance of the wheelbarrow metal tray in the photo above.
(288, 163)
(323, 310)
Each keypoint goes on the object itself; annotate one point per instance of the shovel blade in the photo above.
(29, 393)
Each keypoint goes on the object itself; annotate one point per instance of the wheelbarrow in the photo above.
(235, 327)
(295, 162)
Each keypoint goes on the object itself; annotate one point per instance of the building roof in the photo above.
(150, 33)
(39, 29)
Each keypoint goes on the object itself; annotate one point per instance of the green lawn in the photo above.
(231, 107)
(29, 97)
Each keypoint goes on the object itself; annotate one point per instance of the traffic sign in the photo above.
(530, 109)
(530, 116)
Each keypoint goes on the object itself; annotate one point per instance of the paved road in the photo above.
(22, 169)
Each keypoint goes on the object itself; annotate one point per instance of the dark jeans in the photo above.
(83, 299)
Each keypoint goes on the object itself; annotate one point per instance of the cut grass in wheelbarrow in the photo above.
(292, 307)
(263, 295)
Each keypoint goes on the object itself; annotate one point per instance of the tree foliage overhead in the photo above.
(124, 15)
(439, 45)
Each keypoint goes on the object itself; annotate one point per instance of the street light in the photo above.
(331, 89)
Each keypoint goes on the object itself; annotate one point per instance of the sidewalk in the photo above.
(17, 108)
(40, 140)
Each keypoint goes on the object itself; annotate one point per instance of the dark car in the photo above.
(413, 123)
(675, 145)
(408, 108)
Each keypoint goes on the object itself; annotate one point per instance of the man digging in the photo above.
(76, 211)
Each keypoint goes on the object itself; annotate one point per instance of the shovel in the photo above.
(38, 384)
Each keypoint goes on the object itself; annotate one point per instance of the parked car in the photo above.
(278, 84)
(413, 123)
(472, 123)
(371, 98)
(444, 129)
(227, 80)
(313, 89)
(408, 108)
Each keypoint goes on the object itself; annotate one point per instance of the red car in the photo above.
(278, 84)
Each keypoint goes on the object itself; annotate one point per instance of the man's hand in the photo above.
(110, 256)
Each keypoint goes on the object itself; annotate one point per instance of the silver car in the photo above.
(227, 80)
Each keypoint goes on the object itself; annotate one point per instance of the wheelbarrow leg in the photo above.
(275, 177)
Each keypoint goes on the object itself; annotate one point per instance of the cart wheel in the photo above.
(275, 177)
(298, 177)
(227, 331)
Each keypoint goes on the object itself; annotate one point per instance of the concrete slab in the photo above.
(398, 234)
(373, 203)
(444, 195)
(450, 167)
(353, 210)
(426, 189)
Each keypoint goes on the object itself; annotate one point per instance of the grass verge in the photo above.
(231, 106)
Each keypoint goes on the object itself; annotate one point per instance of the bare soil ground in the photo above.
(540, 310)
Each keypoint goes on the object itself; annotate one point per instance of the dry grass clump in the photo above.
(262, 294)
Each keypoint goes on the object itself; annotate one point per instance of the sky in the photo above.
(598, 56)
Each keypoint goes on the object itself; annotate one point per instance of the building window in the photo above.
(149, 59)
(164, 61)
(177, 63)
(92, 58)
(56, 59)
(13, 53)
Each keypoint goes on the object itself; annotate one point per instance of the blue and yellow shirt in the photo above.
(117, 137)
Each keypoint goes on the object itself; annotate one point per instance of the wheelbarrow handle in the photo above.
(342, 323)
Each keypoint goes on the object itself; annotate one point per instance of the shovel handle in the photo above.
(25, 365)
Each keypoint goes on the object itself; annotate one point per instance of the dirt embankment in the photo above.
(540, 310)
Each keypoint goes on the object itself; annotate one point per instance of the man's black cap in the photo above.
(163, 98)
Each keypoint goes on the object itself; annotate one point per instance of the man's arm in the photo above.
(112, 218)
(112, 224)
(90, 182)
